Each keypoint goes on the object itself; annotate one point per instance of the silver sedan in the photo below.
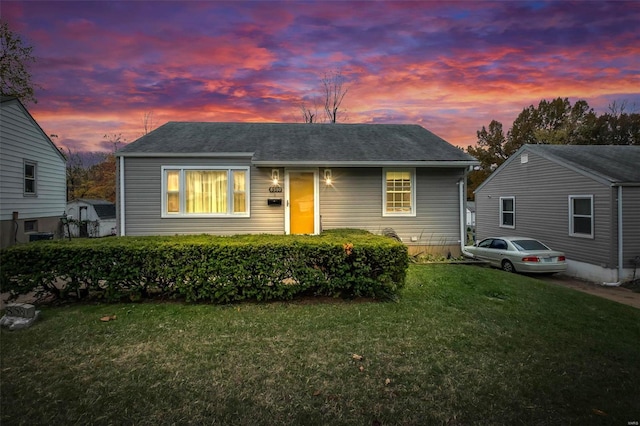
(518, 254)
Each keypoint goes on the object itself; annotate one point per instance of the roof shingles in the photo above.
(303, 143)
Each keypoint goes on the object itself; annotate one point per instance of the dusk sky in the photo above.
(451, 67)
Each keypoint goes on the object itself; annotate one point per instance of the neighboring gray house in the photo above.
(91, 218)
(33, 182)
(239, 178)
(581, 199)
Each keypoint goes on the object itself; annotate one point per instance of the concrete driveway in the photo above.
(617, 294)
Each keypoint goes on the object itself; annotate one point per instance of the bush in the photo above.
(341, 263)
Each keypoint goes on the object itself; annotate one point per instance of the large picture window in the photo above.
(199, 191)
(508, 212)
(581, 216)
(399, 192)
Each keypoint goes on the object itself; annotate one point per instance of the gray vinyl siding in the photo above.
(355, 201)
(143, 201)
(22, 139)
(541, 189)
(631, 224)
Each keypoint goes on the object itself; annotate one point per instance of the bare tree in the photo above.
(309, 114)
(147, 122)
(335, 90)
(113, 140)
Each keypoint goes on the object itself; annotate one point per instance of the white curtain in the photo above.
(239, 192)
(206, 191)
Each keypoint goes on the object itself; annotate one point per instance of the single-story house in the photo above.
(580, 199)
(33, 180)
(239, 178)
(91, 218)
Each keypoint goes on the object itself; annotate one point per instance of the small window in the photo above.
(399, 192)
(200, 191)
(30, 226)
(30, 178)
(507, 212)
(581, 216)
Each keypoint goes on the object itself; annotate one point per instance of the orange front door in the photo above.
(302, 203)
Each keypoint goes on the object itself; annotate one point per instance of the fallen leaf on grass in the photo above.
(599, 412)
(317, 393)
(357, 357)
(108, 318)
(387, 382)
(361, 368)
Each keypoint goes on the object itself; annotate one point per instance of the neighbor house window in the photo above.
(581, 216)
(199, 191)
(30, 178)
(399, 192)
(507, 212)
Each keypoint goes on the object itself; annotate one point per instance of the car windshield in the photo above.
(525, 245)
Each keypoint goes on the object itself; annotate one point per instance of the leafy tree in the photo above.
(492, 151)
(15, 57)
(93, 175)
(617, 127)
(556, 122)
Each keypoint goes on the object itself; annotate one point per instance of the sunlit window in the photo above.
(205, 192)
(399, 192)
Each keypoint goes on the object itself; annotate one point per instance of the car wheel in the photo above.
(508, 266)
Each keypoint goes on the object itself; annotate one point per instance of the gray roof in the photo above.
(105, 211)
(614, 163)
(93, 201)
(608, 164)
(297, 143)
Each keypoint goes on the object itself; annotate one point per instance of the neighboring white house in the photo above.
(33, 183)
(471, 213)
(91, 218)
(581, 199)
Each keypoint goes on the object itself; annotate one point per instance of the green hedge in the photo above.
(341, 263)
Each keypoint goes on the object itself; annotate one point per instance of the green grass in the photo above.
(463, 345)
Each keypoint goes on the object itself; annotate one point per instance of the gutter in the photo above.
(121, 197)
(332, 163)
(620, 243)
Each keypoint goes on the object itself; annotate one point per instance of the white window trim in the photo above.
(502, 225)
(35, 179)
(412, 170)
(571, 215)
(182, 214)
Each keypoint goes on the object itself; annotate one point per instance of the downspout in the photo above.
(121, 179)
(620, 254)
(463, 216)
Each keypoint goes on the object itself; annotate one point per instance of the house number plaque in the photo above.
(273, 189)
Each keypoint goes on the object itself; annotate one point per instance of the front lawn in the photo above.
(463, 345)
